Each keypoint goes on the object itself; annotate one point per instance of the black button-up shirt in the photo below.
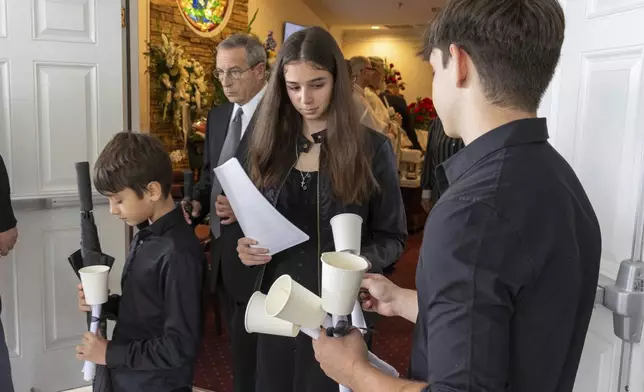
(158, 325)
(508, 268)
(7, 219)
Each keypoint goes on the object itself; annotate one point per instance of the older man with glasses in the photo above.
(362, 72)
(241, 69)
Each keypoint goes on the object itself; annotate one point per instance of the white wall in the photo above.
(274, 13)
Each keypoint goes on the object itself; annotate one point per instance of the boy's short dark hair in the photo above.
(514, 44)
(132, 160)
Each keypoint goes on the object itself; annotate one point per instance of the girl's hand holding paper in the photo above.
(251, 256)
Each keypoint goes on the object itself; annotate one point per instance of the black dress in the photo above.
(288, 364)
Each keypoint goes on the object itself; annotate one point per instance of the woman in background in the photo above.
(312, 159)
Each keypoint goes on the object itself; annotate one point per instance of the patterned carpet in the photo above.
(392, 341)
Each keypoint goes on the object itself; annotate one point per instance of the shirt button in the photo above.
(299, 264)
(140, 242)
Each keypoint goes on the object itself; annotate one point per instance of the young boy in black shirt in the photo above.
(158, 314)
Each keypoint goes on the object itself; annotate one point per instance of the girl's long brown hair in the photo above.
(346, 154)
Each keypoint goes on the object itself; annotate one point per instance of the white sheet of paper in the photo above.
(257, 217)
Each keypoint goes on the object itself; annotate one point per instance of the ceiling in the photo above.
(374, 12)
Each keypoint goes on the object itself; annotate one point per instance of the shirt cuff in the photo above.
(116, 355)
(427, 194)
(8, 221)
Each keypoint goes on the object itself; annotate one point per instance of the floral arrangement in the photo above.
(423, 111)
(181, 81)
(270, 45)
(204, 15)
(177, 156)
(392, 76)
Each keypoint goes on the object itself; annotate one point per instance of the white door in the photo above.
(60, 102)
(596, 118)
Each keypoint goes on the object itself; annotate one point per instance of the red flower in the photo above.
(420, 119)
(391, 65)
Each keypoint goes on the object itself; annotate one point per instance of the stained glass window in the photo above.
(204, 15)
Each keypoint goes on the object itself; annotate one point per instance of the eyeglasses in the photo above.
(372, 69)
(234, 74)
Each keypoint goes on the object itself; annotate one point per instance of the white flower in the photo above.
(181, 79)
(165, 79)
(198, 99)
(177, 156)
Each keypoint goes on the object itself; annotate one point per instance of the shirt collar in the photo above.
(249, 107)
(368, 91)
(163, 224)
(304, 144)
(525, 131)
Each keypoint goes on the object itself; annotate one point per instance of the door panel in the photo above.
(61, 100)
(38, 288)
(598, 370)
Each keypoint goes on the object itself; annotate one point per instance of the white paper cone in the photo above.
(328, 322)
(347, 232)
(94, 280)
(89, 368)
(342, 275)
(257, 321)
(357, 317)
(315, 335)
(376, 362)
(290, 301)
(382, 365)
(311, 332)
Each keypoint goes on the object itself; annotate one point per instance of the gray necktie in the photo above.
(236, 131)
(228, 151)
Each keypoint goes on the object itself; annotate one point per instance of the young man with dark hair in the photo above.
(510, 259)
(158, 315)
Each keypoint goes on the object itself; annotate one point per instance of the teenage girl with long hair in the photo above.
(312, 159)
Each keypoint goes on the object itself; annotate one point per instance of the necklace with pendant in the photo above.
(305, 177)
(304, 183)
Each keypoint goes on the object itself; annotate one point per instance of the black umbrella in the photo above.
(188, 184)
(90, 254)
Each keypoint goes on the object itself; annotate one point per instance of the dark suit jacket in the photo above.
(237, 279)
(440, 147)
(408, 125)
